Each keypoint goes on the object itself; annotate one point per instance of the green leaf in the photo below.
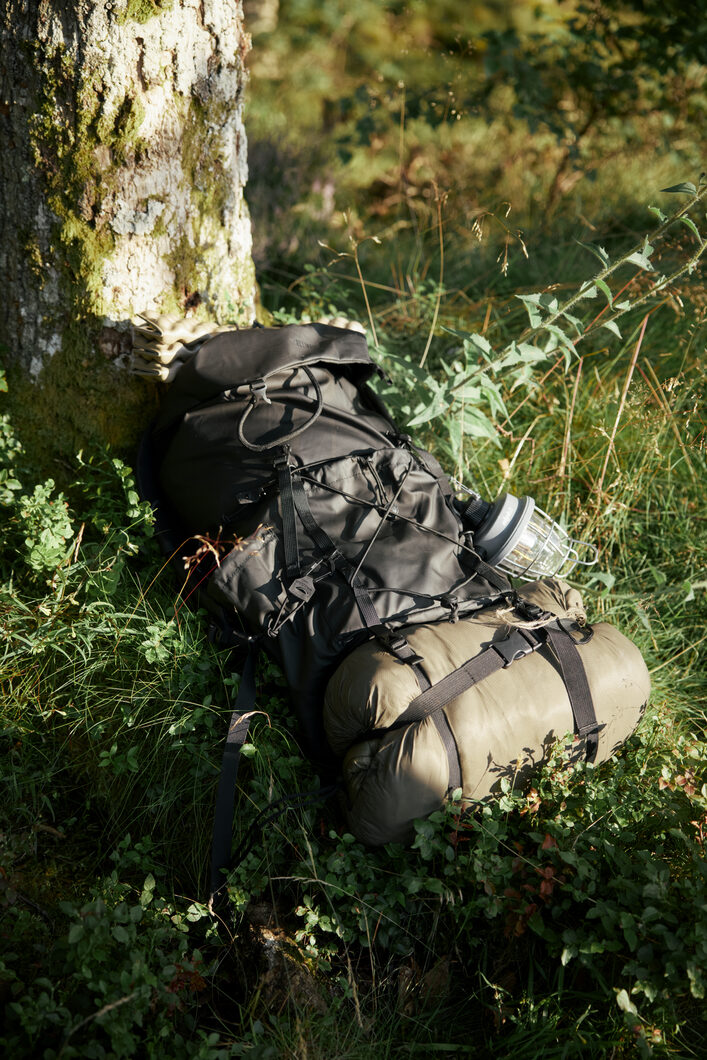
(605, 290)
(612, 326)
(658, 213)
(641, 260)
(479, 425)
(532, 305)
(689, 223)
(468, 393)
(606, 578)
(597, 251)
(564, 340)
(530, 354)
(454, 429)
(439, 404)
(494, 400)
(588, 289)
(477, 343)
(147, 891)
(75, 933)
(624, 1002)
(575, 322)
(687, 187)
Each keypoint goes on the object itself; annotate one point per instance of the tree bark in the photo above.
(121, 190)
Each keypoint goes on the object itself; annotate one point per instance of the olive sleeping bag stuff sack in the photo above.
(504, 710)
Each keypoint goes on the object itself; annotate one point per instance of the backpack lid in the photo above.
(233, 358)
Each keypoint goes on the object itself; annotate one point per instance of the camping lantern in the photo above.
(521, 539)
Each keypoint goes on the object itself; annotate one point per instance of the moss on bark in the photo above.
(87, 145)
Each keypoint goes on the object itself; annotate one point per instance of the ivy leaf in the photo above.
(612, 326)
(597, 251)
(687, 187)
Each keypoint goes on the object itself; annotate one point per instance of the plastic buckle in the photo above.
(515, 647)
(530, 611)
(258, 389)
(394, 642)
(302, 589)
(335, 559)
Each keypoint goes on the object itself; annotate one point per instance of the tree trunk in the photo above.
(121, 190)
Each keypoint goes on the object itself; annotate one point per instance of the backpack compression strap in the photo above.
(221, 858)
(226, 793)
(499, 655)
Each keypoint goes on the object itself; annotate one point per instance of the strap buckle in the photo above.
(519, 644)
(258, 389)
(393, 641)
(302, 589)
(530, 611)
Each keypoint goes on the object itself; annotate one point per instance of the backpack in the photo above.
(321, 532)
(340, 529)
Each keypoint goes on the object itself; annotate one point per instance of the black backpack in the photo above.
(325, 525)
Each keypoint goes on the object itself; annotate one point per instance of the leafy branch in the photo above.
(479, 375)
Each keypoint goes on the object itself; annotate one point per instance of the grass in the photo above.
(112, 714)
(567, 922)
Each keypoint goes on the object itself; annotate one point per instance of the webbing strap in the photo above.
(493, 658)
(398, 645)
(289, 520)
(226, 793)
(450, 745)
(575, 678)
(490, 574)
(328, 549)
(497, 656)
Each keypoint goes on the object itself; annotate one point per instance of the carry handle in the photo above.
(256, 400)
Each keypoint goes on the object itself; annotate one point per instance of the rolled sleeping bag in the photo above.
(504, 726)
